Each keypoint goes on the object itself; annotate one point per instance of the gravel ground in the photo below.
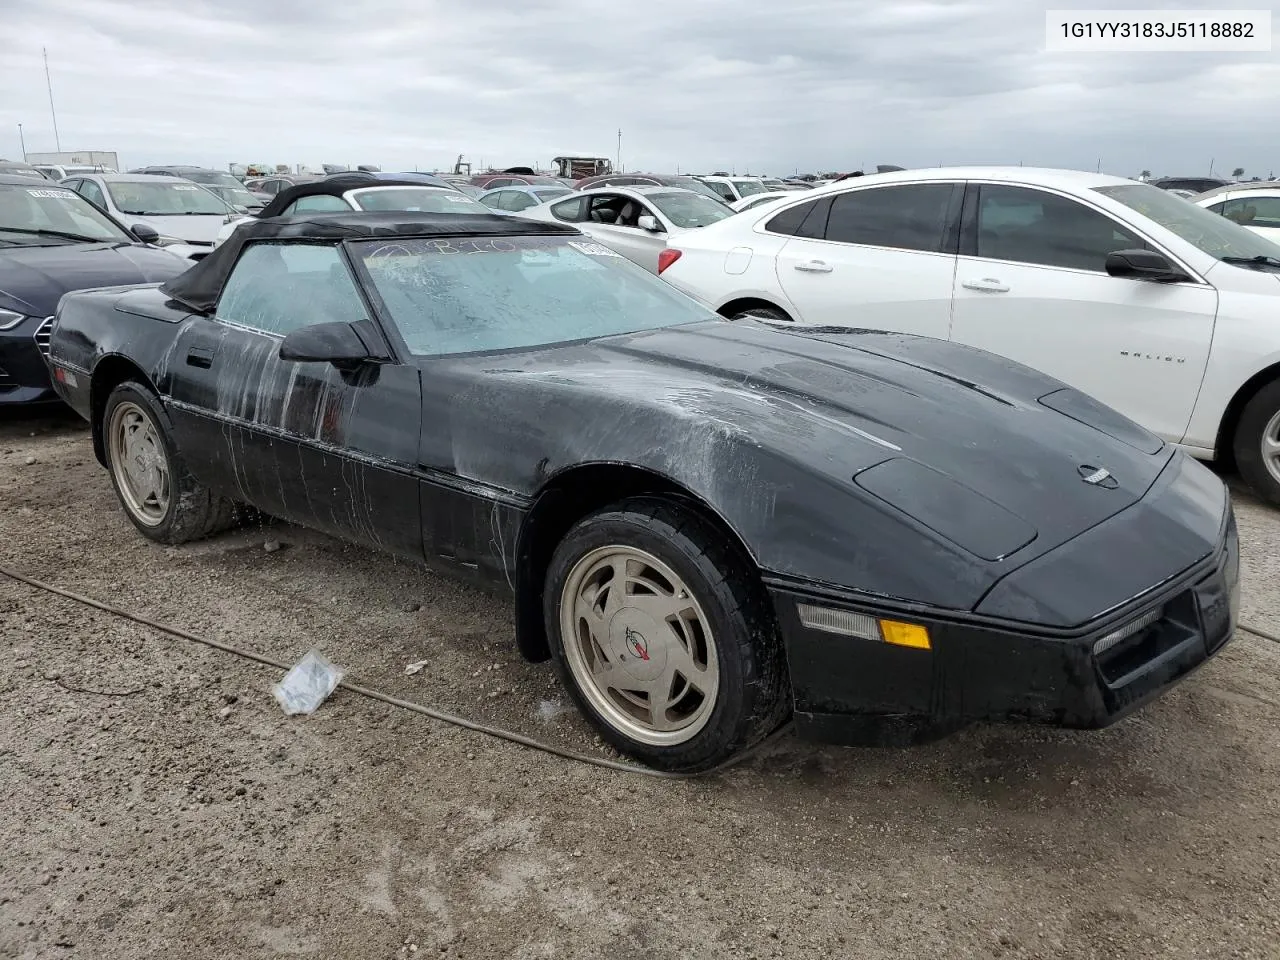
(157, 802)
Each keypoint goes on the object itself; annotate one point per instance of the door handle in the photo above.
(986, 284)
(200, 357)
(814, 266)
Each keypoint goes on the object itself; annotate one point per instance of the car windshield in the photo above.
(697, 186)
(40, 215)
(451, 296)
(236, 195)
(164, 199)
(748, 187)
(686, 209)
(212, 177)
(550, 194)
(422, 199)
(1206, 231)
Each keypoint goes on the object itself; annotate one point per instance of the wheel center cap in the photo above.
(636, 643)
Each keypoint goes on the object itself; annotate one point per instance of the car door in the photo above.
(884, 258)
(613, 219)
(1031, 285)
(327, 448)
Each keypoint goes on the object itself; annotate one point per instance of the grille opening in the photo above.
(42, 335)
(1157, 633)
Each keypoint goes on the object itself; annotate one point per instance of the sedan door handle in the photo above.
(200, 357)
(814, 266)
(986, 284)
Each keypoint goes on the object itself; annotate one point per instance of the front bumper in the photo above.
(854, 691)
(24, 378)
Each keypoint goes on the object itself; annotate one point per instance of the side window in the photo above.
(803, 220)
(1031, 226)
(495, 200)
(1253, 211)
(908, 217)
(518, 200)
(500, 182)
(279, 287)
(321, 203)
(92, 192)
(605, 207)
(723, 189)
(570, 211)
(1217, 207)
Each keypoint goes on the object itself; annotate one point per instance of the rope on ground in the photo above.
(440, 715)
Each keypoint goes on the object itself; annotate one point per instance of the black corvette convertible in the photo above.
(707, 524)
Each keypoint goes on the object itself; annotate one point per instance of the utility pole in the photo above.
(49, 83)
(619, 163)
(22, 140)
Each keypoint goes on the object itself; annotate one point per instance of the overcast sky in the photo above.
(703, 85)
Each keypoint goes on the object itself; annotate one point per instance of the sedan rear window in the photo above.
(422, 199)
(481, 294)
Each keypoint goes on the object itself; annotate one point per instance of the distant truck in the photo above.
(578, 168)
(65, 164)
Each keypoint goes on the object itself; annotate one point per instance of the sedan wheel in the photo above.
(1257, 442)
(639, 645)
(664, 636)
(139, 464)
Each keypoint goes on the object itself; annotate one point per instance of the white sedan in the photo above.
(637, 222)
(1153, 305)
(1254, 207)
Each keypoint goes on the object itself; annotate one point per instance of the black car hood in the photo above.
(771, 426)
(33, 279)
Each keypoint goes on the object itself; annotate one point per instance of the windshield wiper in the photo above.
(1259, 261)
(80, 238)
(172, 213)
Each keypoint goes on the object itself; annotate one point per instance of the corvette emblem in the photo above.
(636, 643)
(1097, 476)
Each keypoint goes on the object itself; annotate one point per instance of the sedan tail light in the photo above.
(666, 258)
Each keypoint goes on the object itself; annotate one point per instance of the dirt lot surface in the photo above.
(174, 811)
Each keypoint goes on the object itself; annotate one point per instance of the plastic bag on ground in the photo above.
(308, 684)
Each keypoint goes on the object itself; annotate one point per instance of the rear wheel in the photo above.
(664, 637)
(157, 493)
(1257, 443)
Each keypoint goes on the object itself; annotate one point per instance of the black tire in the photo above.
(1258, 414)
(761, 313)
(193, 511)
(753, 696)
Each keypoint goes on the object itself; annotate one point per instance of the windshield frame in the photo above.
(83, 208)
(171, 185)
(357, 251)
(1183, 210)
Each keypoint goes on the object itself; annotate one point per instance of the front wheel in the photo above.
(157, 493)
(664, 637)
(1257, 443)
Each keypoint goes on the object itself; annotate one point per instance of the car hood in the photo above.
(199, 228)
(961, 447)
(33, 279)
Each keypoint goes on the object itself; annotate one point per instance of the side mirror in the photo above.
(144, 233)
(1143, 265)
(650, 223)
(336, 343)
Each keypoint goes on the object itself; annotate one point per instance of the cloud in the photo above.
(708, 85)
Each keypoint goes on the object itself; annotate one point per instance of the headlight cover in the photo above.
(9, 319)
(167, 242)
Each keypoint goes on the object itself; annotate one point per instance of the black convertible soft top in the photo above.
(329, 187)
(200, 286)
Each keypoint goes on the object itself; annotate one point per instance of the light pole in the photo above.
(22, 140)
